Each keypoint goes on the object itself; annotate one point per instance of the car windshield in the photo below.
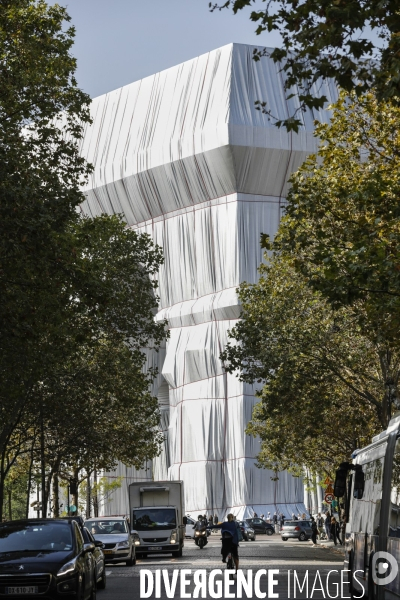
(33, 537)
(106, 527)
(291, 523)
(153, 518)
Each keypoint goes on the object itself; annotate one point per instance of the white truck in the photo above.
(157, 514)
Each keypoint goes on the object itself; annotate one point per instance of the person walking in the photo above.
(335, 531)
(328, 519)
(320, 525)
(314, 529)
(215, 519)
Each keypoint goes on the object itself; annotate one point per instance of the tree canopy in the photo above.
(319, 329)
(329, 39)
(78, 295)
(322, 387)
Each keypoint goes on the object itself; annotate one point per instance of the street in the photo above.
(265, 553)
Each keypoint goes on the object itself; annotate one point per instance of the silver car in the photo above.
(296, 529)
(118, 542)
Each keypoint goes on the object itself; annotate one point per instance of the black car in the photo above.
(260, 526)
(98, 554)
(247, 531)
(45, 558)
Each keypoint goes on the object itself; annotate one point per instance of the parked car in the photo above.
(118, 541)
(247, 531)
(260, 526)
(296, 529)
(45, 558)
(98, 554)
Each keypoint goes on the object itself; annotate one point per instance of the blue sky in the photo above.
(120, 41)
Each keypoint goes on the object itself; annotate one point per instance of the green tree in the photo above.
(40, 174)
(68, 284)
(342, 224)
(329, 39)
(322, 387)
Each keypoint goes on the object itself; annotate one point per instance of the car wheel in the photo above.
(177, 553)
(269, 531)
(254, 538)
(103, 581)
(302, 537)
(131, 561)
(284, 539)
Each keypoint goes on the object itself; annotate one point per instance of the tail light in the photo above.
(297, 528)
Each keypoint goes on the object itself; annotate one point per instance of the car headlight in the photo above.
(173, 536)
(68, 568)
(123, 544)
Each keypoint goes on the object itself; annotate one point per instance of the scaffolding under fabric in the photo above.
(185, 157)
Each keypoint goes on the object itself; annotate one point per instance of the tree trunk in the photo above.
(88, 499)
(9, 505)
(43, 466)
(56, 496)
(75, 497)
(28, 491)
(95, 498)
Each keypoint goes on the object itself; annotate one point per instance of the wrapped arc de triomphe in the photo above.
(184, 156)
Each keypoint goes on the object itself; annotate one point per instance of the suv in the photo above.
(118, 543)
(296, 529)
(260, 526)
(45, 558)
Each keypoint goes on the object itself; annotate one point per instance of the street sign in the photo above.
(327, 481)
(329, 498)
(329, 489)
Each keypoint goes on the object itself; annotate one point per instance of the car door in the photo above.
(98, 555)
(87, 559)
(257, 525)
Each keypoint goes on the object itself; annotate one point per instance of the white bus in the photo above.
(372, 483)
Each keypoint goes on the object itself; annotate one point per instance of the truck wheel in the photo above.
(177, 553)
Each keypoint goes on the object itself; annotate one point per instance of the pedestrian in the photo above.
(269, 517)
(210, 520)
(335, 531)
(262, 517)
(320, 525)
(215, 519)
(255, 515)
(294, 518)
(275, 518)
(314, 530)
(328, 524)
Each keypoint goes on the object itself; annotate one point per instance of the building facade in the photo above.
(185, 156)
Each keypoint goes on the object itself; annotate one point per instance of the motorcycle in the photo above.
(200, 538)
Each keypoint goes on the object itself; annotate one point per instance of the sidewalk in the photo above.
(330, 545)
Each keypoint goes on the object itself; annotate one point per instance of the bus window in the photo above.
(366, 511)
(394, 515)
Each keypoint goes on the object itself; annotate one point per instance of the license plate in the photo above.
(107, 551)
(24, 589)
(154, 548)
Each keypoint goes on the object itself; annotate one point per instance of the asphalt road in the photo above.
(296, 564)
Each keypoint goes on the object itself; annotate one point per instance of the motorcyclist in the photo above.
(200, 524)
